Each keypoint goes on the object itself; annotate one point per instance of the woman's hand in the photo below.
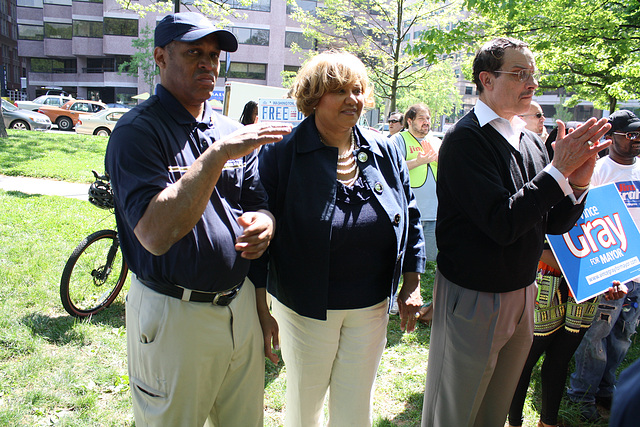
(269, 325)
(409, 301)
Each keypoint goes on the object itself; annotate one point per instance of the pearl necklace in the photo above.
(347, 163)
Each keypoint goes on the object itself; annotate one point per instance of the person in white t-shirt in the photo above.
(605, 344)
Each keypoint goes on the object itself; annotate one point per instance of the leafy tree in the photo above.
(562, 112)
(377, 32)
(142, 61)
(216, 9)
(591, 49)
(437, 89)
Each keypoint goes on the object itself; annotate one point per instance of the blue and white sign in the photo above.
(279, 110)
(603, 246)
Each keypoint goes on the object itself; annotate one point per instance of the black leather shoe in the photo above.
(605, 402)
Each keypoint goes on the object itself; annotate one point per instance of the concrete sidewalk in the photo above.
(47, 187)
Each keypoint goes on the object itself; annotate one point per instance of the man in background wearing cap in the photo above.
(605, 344)
(191, 214)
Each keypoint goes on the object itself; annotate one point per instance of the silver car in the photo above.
(15, 118)
(100, 123)
(51, 100)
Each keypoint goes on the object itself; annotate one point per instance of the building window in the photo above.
(255, 36)
(306, 5)
(291, 68)
(468, 90)
(30, 3)
(121, 27)
(291, 37)
(105, 64)
(87, 29)
(244, 70)
(31, 32)
(57, 66)
(259, 5)
(58, 31)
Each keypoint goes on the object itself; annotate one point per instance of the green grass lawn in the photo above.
(66, 157)
(56, 370)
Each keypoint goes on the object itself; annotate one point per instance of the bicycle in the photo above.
(96, 271)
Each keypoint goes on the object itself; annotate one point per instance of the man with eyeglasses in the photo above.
(497, 197)
(395, 123)
(605, 344)
(535, 121)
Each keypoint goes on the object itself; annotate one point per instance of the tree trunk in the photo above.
(613, 101)
(3, 129)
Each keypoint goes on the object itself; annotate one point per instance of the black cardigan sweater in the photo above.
(495, 205)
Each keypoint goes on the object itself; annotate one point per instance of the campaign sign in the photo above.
(603, 246)
(279, 110)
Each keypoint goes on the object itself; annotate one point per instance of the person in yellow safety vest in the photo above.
(420, 150)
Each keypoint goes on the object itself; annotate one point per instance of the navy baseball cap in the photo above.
(189, 27)
(624, 121)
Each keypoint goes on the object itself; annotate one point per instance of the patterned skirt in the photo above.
(556, 307)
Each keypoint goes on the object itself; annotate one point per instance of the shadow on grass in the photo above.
(21, 195)
(408, 418)
(60, 330)
(272, 370)
(395, 334)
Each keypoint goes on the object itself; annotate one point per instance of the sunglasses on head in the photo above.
(394, 121)
(537, 115)
(631, 136)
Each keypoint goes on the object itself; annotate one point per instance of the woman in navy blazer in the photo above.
(347, 228)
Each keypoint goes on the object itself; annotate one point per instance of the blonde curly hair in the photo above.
(326, 72)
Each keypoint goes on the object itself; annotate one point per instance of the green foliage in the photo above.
(562, 111)
(591, 49)
(218, 10)
(436, 88)
(142, 61)
(376, 31)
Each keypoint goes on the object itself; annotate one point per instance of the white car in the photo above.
(101, 123)
(51, 100)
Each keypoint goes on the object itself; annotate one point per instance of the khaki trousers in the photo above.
(479, 344)
(340, 354)
(193, 362)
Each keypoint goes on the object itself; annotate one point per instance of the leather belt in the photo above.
(222, 298)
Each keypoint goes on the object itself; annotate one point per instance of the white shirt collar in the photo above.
(509, 130)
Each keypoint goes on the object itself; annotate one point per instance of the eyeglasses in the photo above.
(394, 121)
(631, 136)
(523, 75)
(537, 115)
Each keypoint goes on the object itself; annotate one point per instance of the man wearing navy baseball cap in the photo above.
(191, 214)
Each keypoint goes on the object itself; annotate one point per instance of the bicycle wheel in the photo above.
(94, 274)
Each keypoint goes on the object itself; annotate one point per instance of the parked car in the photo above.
(101, 123)
(118, 105)
(15, 118)
(66, 116)
(53, 100)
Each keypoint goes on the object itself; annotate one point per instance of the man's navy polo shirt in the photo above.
(151, 147)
